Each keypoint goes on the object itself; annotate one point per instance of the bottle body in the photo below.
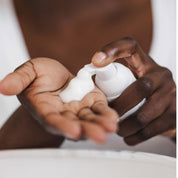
(112, 87)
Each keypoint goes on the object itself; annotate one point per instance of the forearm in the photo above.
(22, 131)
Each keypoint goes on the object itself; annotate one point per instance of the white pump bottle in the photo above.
(112, 79)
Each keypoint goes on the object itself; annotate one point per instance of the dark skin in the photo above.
(74, 30)
(82, 30)
(155, 83)
(20, 125)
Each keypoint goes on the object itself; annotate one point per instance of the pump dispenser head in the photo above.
(111, 79)
(103, 73)
(118, 79)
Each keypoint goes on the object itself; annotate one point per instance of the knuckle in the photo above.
(132, 42)
(156, 106)
(24, 67)
(112, 48)
(167, 73)
(130, 39)
(171, 90)
(145, 84)
(27, 71)
(141, 119)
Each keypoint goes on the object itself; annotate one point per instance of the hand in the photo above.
(155, 83)
(38, 83)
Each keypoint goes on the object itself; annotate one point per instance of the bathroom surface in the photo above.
(86, 164)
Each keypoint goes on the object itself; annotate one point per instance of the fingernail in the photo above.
(99, 57)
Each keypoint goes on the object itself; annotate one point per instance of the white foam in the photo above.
(78, 87)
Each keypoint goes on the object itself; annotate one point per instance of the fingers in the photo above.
(156, 116)
(156, 127)
(16, 82)
(142, 88)
(103, 109)
(94, 132)
(87, 114)
(97, 121)
(58, 124)
(127, 49)
(74, 126)
(151, 110)
(132, 95)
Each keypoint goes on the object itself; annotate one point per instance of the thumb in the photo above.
(127, 49)
(15, 82)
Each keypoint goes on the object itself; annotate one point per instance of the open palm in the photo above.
(38, 84)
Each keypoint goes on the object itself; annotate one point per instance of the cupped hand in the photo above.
(155, 83)
(38, 83)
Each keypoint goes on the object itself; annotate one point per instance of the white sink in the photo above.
(55, 163)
